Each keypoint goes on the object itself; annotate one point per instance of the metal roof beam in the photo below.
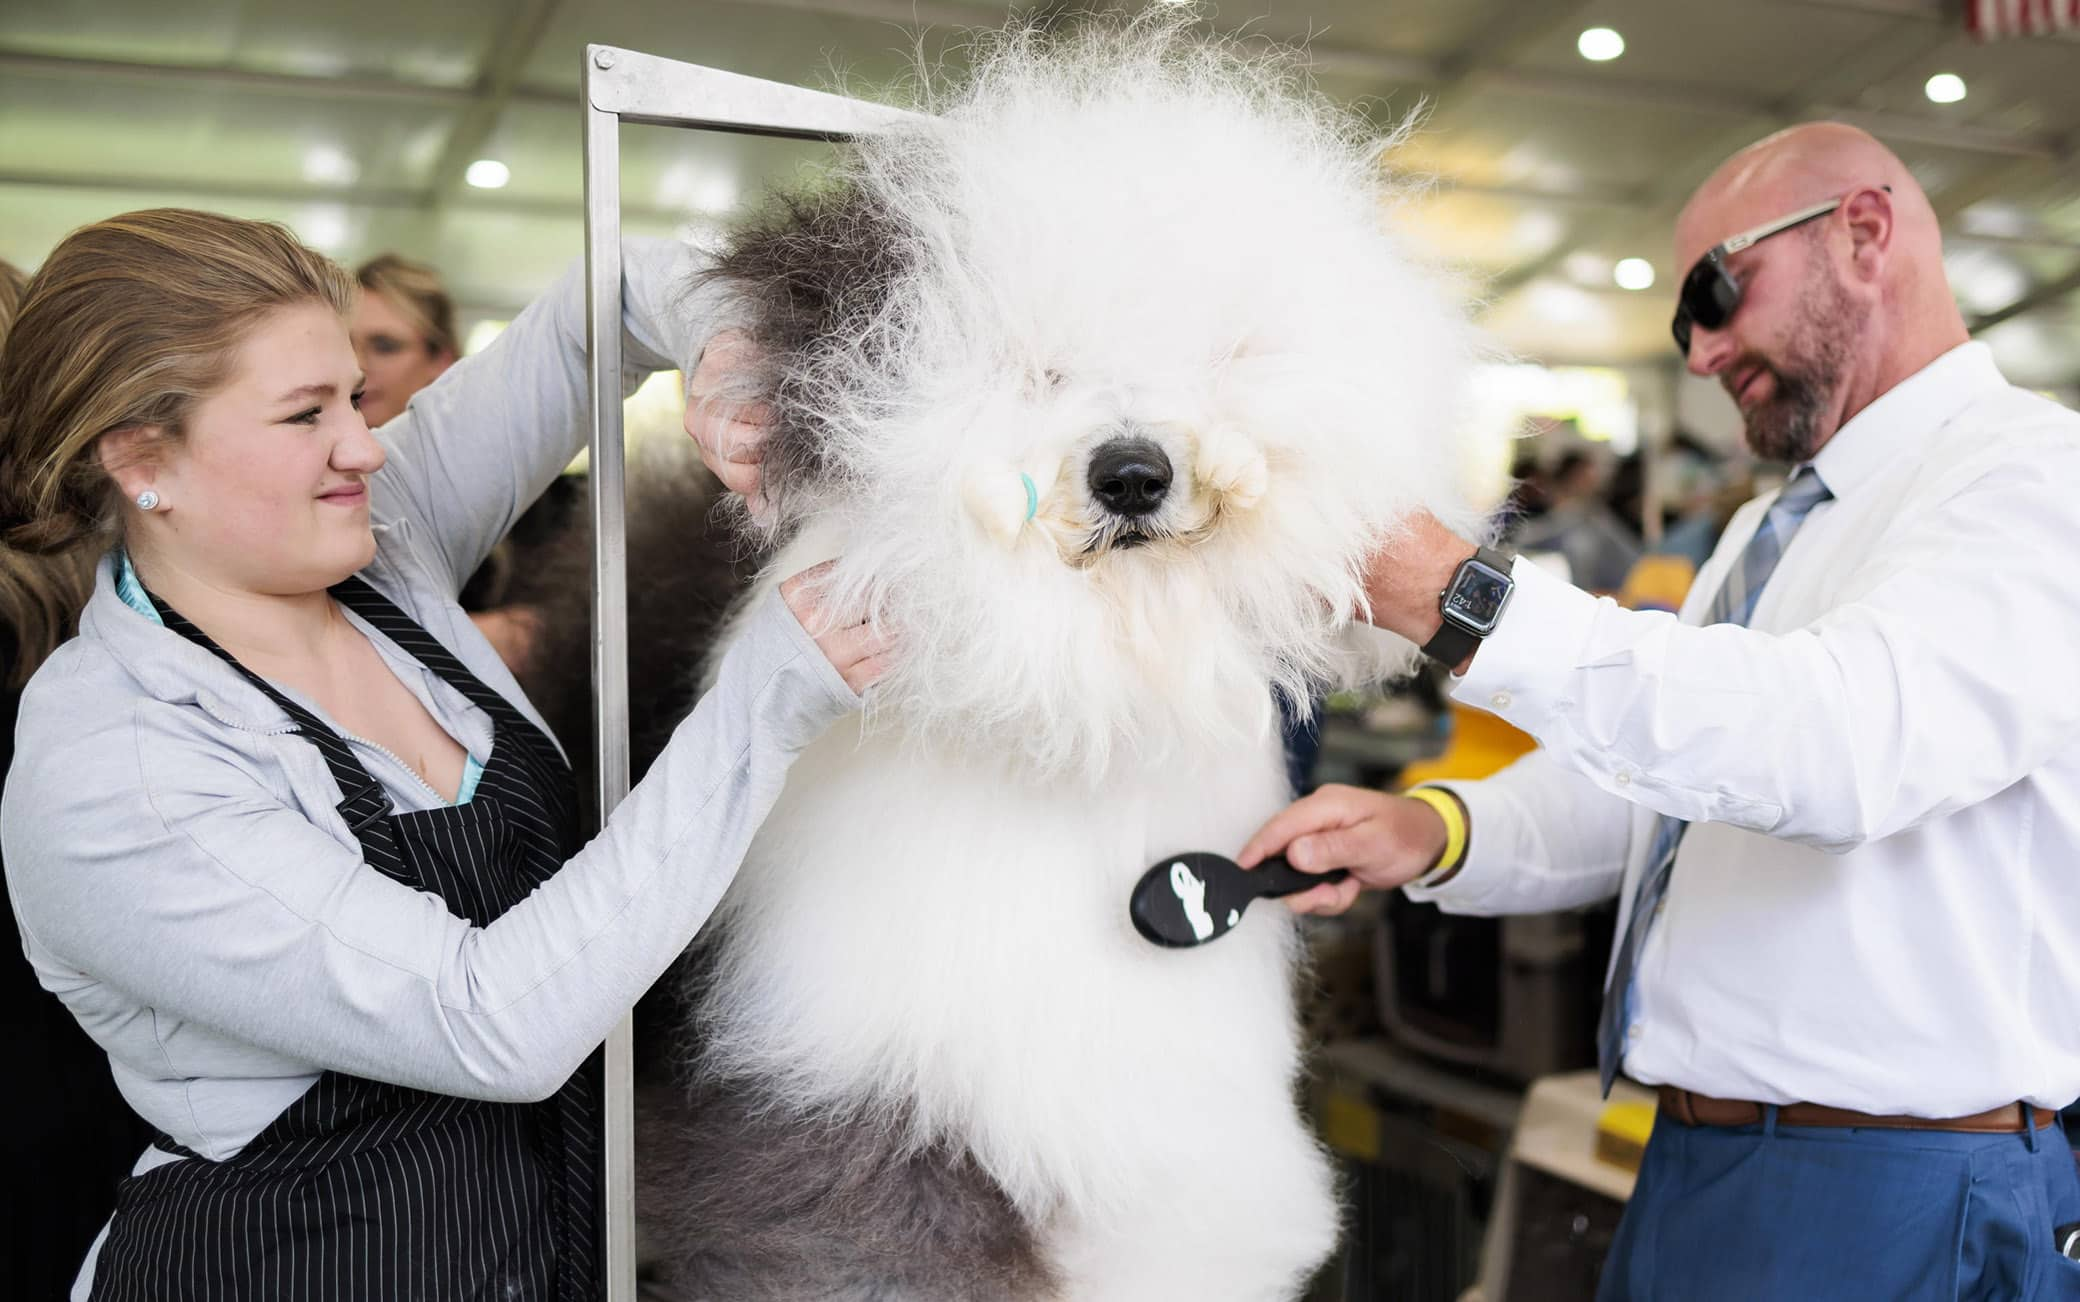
(497, 80)
(2044, 295)
(359, 86)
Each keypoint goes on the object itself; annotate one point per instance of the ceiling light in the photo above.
(327, 165)
(714, 193)
(315, 63)
(1997, 217)
(1633, 273)
(487, 174)
(1535, 231)
(481, 334)
(323, 226)
(1945, 88)
(1551, 302)
(1600, 45)
(1586, 269)
(1984, 280)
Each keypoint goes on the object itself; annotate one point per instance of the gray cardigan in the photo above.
(183, 882)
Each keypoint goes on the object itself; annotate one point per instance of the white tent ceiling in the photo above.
(356, 125)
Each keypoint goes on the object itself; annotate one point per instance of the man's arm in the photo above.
(1935, 683)
(1538, 838)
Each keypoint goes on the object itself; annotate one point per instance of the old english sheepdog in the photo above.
(1101, 383)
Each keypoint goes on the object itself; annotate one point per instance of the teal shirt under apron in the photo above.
(132, 593)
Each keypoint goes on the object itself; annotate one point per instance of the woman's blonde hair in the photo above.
(415, 290)
(40, 596)
(129, 323)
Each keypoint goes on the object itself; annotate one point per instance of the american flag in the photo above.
(1990, 20)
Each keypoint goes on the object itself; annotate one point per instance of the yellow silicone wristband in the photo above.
(1454, 826)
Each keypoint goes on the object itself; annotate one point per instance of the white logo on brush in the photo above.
(1191, 893)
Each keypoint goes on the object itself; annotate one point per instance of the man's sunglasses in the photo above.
(1710, 294)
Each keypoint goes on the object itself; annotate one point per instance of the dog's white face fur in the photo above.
(1145, 240)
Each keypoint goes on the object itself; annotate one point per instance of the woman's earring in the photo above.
(147, 500)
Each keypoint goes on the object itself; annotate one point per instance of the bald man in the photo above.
(1838, 796)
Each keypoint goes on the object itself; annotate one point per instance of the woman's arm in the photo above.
(144, 858)
(477, 447)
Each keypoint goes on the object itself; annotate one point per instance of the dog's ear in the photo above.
(811, 274)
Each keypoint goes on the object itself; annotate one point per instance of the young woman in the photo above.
(282, 832)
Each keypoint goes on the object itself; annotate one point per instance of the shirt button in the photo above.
(1624, 778)
(1660, 906)
(1634, 1031)
(1500, 700)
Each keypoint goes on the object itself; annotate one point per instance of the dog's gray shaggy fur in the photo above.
(743, 1201)
(814, 267)
(686, 567)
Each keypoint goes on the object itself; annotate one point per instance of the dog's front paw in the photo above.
(1000, 498)
(1232, 468)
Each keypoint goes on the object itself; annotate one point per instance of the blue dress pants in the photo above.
(1764, 1212)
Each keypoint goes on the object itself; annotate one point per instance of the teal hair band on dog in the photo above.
(1032, 495)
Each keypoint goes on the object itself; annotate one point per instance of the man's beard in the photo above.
(1787, 426)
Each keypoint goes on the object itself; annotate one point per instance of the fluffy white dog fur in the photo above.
(1124, 233)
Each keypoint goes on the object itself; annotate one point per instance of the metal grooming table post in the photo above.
(625, 86)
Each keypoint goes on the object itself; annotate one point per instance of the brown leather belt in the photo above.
(1699, 1110)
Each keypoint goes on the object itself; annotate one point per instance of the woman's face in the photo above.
(268, 492)
(395, 357)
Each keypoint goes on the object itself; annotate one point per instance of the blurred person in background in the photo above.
(403, 331)
(1694, 533)
(1701, 488)
(1625, 493)
(1580, 526)
(72, 1132)
(1528, 494)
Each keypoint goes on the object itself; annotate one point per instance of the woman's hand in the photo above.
(729, 432)
(1384, 840)
(855, 650)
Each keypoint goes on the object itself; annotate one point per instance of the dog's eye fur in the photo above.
(1044, 382)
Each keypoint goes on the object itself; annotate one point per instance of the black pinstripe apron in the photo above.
(364, 1190)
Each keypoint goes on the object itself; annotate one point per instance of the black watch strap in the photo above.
(1451, 645)
(1454, 642)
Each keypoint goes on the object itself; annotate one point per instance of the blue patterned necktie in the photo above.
(1734, 604)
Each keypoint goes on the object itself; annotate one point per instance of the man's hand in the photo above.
(1384, 840)
(1405, 578)
(728, 432)
(855, 650)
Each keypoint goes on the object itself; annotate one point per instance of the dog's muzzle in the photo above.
(1129, 477)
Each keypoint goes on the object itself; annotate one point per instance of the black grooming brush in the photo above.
(1191, 898)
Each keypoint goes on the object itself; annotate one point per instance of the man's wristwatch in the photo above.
(1471, 605)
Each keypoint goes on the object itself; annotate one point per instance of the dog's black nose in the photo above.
(1129, 476)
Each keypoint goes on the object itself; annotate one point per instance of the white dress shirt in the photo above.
(1877, 905)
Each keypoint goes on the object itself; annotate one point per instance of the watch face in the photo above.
(1476, 597)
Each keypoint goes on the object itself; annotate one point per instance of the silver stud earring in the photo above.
(147, 500)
